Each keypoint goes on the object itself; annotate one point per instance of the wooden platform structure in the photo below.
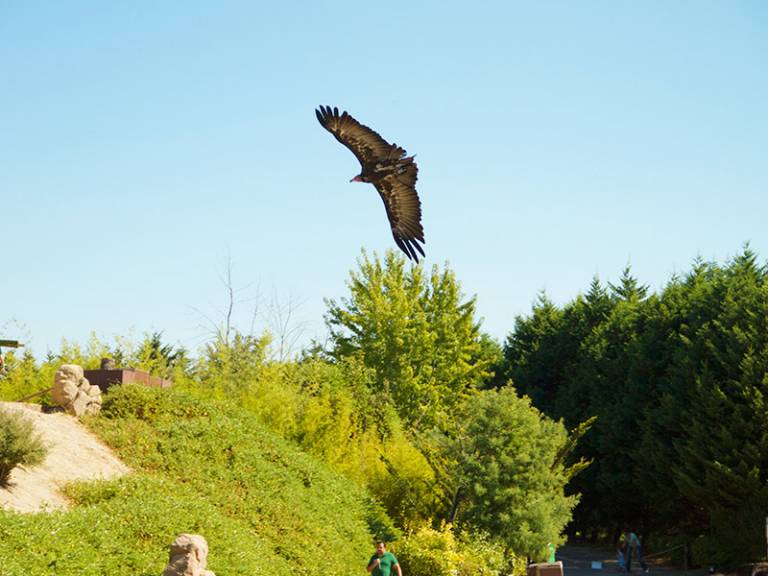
(545, 569)
(106, 378)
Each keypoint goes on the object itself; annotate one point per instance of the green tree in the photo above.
(511, 471)
(541, 352)
(228, 367)
(678, 383)
(707, 431)
(628, 287)
(534, 353)
(159, 358)
(416, 332)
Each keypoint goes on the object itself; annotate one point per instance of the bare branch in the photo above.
(222, 324)
(280, 320)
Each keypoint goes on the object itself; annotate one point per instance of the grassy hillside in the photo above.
(264, 506)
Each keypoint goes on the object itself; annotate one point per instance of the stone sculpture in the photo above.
(72, 391)
(188, 556)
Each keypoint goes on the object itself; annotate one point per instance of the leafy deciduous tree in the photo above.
(416, 332)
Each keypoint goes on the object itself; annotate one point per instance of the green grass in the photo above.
(264, 506)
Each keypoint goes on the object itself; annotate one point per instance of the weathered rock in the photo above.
(72, 391)
(188, 556)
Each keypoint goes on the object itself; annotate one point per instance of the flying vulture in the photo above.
(387, 167)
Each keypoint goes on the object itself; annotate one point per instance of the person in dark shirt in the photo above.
(383, 563)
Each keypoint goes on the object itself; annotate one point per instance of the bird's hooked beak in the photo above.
(356, 179)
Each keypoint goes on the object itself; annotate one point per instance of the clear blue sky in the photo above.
(143, 145)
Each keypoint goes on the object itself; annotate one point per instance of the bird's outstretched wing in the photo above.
(365, 144)
(398, 191)
(395, 180)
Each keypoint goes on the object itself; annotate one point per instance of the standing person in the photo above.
(621, 553)
(382, 563)
(551, 556)
(634, 545)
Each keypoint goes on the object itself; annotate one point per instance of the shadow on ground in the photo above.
(577, 560)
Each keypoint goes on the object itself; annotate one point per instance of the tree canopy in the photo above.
(416, 331)
(510, 471)
(677, 380)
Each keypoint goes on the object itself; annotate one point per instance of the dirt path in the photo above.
(74, 454)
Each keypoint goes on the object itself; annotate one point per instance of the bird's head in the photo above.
(358, 178)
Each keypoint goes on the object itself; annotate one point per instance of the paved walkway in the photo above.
(577, 561)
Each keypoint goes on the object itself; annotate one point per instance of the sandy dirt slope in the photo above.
(74, 454)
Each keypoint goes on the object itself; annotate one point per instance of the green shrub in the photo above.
(203, 467)
(331, 413)
(481, 556)
(149, 404)
(123, 528)
(380, 524)
(18, 444)
(439, 552)
(428, 552)
(733, 536)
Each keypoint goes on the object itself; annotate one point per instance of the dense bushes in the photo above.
(386, 405)
(428, 551)
(677, 381)
(19, 445)
(150, 405)
(263, 505)
(123, 528)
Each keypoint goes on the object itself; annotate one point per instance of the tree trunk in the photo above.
(455, 505)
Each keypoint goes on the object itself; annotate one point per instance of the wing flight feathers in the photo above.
(365, 143)
(386, 167)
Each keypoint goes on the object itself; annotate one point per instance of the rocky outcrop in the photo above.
(188, 557)
(72, 391)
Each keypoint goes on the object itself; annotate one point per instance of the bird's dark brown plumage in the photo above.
(387, 167)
